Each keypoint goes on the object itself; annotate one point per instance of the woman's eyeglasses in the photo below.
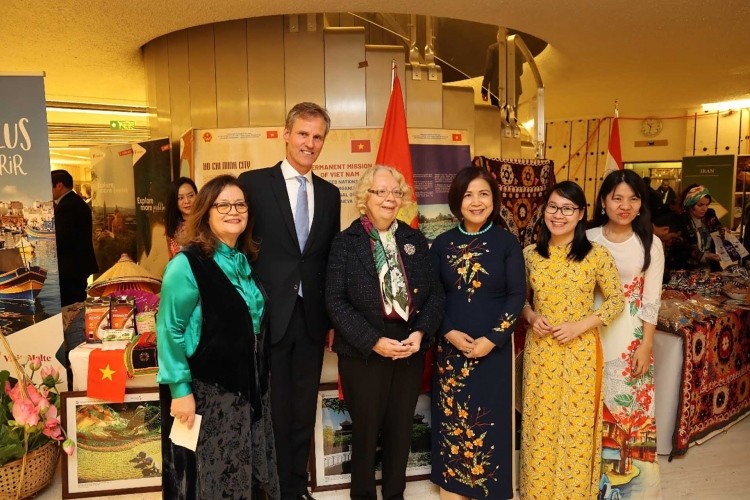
(224, 207)
(566, 210)
(383, 193)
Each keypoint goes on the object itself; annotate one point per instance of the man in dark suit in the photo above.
(296, 217)
(75, 249)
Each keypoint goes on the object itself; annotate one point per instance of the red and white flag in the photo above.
(614, 153)
(394, 148)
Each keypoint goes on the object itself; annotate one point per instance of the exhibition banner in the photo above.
(130, 185)
(436, 156)
(113, 204)
(717, 174)
(30, 316)
(230, 151)
(152, 175)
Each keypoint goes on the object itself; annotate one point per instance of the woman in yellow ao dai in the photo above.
(562, 398)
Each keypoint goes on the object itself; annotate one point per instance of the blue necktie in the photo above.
(302, 219)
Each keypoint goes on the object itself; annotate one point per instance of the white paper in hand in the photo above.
(182, 436)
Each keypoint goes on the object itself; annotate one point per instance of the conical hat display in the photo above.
(124, 275)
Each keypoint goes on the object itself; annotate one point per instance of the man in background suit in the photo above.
(75, 248)
(75, 261)
(295, 281)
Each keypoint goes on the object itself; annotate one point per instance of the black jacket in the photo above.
(281, 266)
(353, 294)
(75, 247)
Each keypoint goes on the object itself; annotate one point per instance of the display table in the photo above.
(702, 378)
(79, 364)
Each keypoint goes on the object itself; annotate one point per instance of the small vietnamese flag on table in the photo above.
(107, 375)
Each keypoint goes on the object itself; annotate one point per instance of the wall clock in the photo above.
(651, 127)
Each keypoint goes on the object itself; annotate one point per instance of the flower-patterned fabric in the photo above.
(629, 442)
(472, 413)
(562, 399)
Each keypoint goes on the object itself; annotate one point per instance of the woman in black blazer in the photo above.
(386, 304)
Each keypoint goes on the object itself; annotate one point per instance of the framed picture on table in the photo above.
(118, 445)
(330, 458)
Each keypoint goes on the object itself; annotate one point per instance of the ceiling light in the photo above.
(726, 105)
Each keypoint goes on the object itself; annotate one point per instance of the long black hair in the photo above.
(642, 223)
(172, 212)
(581, 246)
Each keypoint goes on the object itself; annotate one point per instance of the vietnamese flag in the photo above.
(107, 375)
(614, 152)
(394, 148)
(361, 146)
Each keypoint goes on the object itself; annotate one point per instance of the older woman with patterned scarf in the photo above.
(385, 303)
(694, 248)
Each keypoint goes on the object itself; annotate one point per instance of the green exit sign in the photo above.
(122, 125)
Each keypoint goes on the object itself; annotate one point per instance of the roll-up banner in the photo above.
(30, 316)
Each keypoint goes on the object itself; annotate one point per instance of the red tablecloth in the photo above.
(715, 385)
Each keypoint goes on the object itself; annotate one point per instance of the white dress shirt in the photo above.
(292, 188)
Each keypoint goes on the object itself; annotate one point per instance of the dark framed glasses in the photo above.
(566, 210)
(224, 207)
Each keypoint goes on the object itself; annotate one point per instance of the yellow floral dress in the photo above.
(562, 398)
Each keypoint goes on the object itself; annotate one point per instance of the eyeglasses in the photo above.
(383, 193)
(225, 207)
(566, 210)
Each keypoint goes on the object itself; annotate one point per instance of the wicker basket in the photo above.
(41, 465)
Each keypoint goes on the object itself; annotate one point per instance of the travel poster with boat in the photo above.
(29, 286)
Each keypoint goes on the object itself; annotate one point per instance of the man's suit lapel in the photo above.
(278, 186)
(319, 202)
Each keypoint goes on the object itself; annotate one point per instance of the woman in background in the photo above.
(622, 224)
(182, 193)
(481, 267)
(694, 248)
(562, 400)
(213, 355)
(385, 303)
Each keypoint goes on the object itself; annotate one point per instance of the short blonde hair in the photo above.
(365, 183)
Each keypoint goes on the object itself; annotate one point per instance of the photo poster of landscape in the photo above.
(30, 318)
(436, 156)
(152, 176)
(113, 204)
(332, 442)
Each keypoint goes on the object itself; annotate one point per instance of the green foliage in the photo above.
(624, 400)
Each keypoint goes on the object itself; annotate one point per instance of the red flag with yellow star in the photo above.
(107, 375)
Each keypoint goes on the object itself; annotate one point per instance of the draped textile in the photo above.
(523, 185)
